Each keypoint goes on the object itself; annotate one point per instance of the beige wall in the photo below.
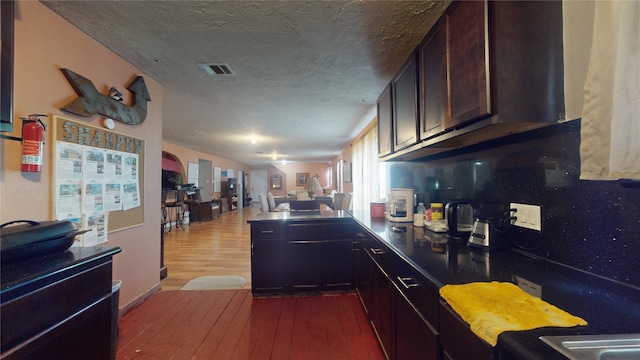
(186, 155)
(313, 168)
(44, 43)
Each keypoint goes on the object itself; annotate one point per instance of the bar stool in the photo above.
(177, 206)
(163, 204)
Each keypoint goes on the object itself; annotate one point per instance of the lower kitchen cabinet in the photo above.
(457, 339)
(267, 266)
(337, 264)
(267, 258)
(381, 314)
(301, 256)
(401, 306)
(415, 337)
(59, 306)
(374, 288)
(364, 287)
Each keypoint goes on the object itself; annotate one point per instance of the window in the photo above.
(368, 174)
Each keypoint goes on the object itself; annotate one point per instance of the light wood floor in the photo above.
(218, 247)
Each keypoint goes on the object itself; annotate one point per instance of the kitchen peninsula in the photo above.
(397, 270)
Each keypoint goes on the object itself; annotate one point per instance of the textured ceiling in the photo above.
(307, 74)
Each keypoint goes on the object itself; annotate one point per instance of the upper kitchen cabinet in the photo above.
(405, 105)
(432, 55)
(468, 62)
(385, 115)
(486, 69)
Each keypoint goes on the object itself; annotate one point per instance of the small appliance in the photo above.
(459, 218)
(489, 234)
(400, 206)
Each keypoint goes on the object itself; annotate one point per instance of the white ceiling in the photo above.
(307, 74)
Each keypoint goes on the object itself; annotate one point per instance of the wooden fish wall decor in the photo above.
(91, 102)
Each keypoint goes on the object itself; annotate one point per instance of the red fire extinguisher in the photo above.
(32, 142)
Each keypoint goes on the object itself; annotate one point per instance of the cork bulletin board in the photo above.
(77, 145)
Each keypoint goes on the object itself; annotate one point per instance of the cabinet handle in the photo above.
(266, 232)
(377, 251)
(360, 235)
(404, 280)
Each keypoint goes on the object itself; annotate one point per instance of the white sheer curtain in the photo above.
(369, 177)
(610, 136)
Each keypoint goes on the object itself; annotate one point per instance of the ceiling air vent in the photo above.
(217, 69)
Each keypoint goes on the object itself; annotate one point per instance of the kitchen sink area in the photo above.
(609, 346)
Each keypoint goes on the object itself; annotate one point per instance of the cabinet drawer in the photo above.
(267, 231)
(419, 290)
(321, 231)
(379, 253)
(31, 313)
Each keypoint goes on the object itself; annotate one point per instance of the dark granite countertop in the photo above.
(16, 278)
(608, 306)
(301, 216)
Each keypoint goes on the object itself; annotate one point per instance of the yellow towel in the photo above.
(493, 307)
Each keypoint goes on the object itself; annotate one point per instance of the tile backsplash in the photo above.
(590, 225)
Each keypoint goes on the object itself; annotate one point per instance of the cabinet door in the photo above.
(457, 339)
(267, 270)
(363, 276)
(405, 105)
(381, 314)
(433, 81)
(415, 339)
(468, 62)
(337, 264)
(304, 265)
(385, 116)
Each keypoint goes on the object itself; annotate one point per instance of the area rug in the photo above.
(226, 282)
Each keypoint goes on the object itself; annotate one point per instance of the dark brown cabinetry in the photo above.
(267, 257)
(457, 340)
(320, 256)
(301, 256)
(486, 69)
(432, 54)
(374, 287)
(59, 306)
(385, 116)
(415, 337)
(401, 305)
(416, 306)
(468, 62)
(404, 92)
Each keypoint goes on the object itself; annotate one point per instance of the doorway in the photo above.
(258, 184)
(205, 182)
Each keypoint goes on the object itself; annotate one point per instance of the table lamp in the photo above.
(313, 185)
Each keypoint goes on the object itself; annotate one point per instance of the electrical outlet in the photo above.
(528, 286)
(528, 216)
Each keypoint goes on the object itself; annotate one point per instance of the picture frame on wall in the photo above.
(7, 10)
(276, 182)
(301, 179)
(346, 171)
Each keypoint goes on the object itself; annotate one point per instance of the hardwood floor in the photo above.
(218, 247)
(232, 324)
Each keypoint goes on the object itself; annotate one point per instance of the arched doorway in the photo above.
(172, 171)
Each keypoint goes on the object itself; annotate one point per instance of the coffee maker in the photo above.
(400, 205)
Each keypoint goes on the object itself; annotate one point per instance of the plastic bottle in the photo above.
(421, 208)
